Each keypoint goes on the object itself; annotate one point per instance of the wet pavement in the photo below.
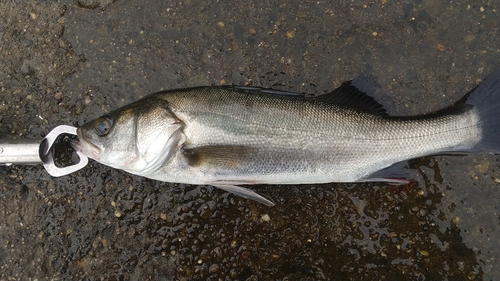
(62, 62)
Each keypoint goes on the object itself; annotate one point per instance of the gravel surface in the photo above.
(67, 62)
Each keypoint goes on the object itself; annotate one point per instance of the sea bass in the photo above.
(229, 136)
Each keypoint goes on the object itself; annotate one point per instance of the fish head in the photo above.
(139, 138)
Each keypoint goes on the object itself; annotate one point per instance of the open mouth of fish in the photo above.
(86, 146)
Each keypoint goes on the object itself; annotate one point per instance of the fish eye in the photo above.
(103, 126)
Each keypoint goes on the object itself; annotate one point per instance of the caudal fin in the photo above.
(486, 99)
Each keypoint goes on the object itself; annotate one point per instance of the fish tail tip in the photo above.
(486, 99)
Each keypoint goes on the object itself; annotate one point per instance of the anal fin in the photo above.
(397, 173)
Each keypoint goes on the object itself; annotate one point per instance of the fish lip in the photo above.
(85, 146)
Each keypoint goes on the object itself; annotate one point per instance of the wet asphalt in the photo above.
(67, 62)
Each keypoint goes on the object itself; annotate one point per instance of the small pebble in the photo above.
(213, 268)
(440, 47)
(469, 38)
(290, 34)
(118, 214)
(245, 255)
(265, 218)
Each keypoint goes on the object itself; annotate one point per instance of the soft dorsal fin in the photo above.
(362, 93)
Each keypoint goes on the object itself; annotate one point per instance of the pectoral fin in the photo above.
(242, 192)
(224, 156)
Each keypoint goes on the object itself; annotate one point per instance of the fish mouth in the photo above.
(86, 146)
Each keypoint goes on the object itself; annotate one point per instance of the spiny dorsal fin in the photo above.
(362, 93)
(266, 91)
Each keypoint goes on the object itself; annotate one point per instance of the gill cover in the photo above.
(157, 134)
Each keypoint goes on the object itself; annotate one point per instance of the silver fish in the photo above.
(233, 136)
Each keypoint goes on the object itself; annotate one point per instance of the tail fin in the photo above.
(486, 99)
